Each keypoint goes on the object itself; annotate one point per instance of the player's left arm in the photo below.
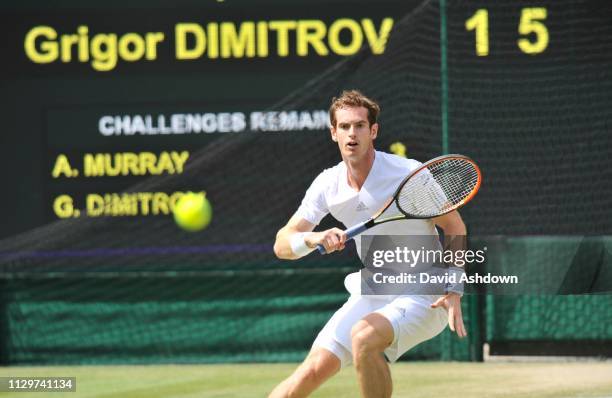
(453, 225)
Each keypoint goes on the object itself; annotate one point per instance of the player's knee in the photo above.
(366, 339)
(359, 327)
(363, 338)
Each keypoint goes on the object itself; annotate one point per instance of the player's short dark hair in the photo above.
(354, 98)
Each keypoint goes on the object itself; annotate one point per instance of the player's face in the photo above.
(353, 132)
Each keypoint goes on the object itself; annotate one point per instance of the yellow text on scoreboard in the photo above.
(248, 39)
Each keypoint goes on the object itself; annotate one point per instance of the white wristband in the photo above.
(298, 244)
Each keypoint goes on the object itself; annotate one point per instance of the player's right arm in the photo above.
(297, 236)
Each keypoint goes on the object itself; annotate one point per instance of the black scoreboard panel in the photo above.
(199, 69)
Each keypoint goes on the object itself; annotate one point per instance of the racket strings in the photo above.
(390, 212)
(439, 188)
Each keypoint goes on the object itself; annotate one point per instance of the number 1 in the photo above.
(480, 23)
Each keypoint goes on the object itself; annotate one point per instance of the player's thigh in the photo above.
(336, 334)
(413, 321)
(373, 332)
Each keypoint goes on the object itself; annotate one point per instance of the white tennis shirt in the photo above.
(331, 193)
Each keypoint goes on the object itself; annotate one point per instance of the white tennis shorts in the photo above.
(413, 320)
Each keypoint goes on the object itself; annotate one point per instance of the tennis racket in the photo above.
(439, 186)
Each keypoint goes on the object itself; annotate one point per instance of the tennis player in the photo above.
(366, 329)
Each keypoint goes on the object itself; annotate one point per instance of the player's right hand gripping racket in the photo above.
(439, 186)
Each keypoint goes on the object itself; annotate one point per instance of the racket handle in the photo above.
(355, 230)
(350, 234)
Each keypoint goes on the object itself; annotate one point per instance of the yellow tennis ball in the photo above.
(193, 211)
(398, 148)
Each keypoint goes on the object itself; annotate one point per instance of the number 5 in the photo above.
(530, 23)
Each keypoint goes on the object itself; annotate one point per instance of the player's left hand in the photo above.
(452, 304)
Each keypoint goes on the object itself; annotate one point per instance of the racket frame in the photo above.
(359, 228)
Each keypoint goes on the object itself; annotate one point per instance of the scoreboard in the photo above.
(98, 98)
